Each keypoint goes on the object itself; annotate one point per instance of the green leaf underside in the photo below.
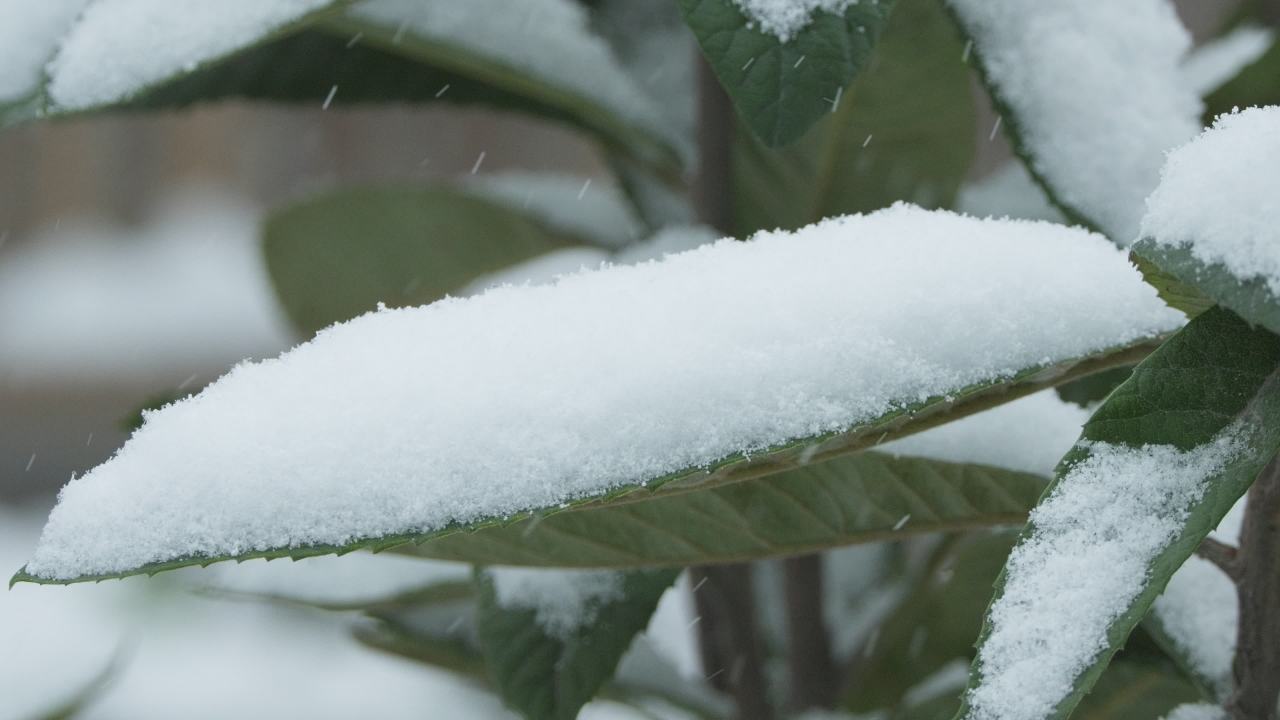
(549, 678)
(1215, 373)
(303, 62)
(337, 256)
(879, 144)
(735, 468)
(1191, 285)
(427, 595)
(780, 89)
(1094, 388)
(936, 622)
(618, 132)
(932, 626)
(866, 497)
(443, 635)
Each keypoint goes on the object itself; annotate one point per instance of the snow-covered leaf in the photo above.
(1254, 85)
(1158, 466)
(72, 56)
(785, 64)
(552, 638)
(1212, 229)
(538, 57)
(338, 255)
(729, 362)
(1231, 59)
(1092, 95)
(876, 144)
(1196, 619)
(986, 470)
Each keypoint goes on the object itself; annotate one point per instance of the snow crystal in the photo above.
(1096, 89)
(600, 215)
(1202, 711)
(120, 47)
(1086, 560)
(563, 600)
(1028, 435)
(785, 18)
(409, 420)
(1218, 196)
(29, 36)
(1215, 63)
(550, 39)
(1200, 612)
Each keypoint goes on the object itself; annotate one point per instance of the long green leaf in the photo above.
(866, 497)
(1215, 384)
(932, 627)
(547, 673)
(374, 52)
(1192, 285)
(878, 144)
(735, 468)
(781, 88)
(337, 256)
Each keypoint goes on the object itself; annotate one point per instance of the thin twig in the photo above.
(1225, 556)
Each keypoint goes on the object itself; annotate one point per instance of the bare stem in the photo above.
(1225, 556)
(1257, 663)
(731, 657)
(813, 672)
(724, 595)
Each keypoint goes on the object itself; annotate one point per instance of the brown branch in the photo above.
(1257, 662)
(724, 594)
(814, 674)
(1225, 556)
(727, 638)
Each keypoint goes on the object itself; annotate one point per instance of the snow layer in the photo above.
(1096, 91)
(120, 47)
(1213, 64)
(563, 601)
(186, 293)
(409, 420)
(1199, 610)
(592, 211)
(1202, 711)
(1087, 558)
(1218, 193)
(549, 39)
(29, 36)
(1029, 435)
(785, 18)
